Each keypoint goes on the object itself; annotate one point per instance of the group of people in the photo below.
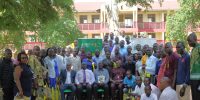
(147, 73)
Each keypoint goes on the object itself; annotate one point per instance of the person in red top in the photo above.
(117, 75)
(172, 63)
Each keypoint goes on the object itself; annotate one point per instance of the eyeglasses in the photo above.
(24, 57)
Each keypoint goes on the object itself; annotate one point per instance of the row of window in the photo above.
(128, 18)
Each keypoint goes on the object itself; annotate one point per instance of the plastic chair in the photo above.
(66, 93)
(101, 91)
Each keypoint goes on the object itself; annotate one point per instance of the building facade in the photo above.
(92, 19)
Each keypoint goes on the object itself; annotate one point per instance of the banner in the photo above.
(90, 44)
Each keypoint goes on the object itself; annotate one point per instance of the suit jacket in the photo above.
(63, 76)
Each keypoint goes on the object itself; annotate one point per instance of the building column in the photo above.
(163, 33)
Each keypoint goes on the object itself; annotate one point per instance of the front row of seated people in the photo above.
(90, 82)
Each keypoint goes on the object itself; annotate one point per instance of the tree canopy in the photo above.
(47, 18)
(143, 3)
(184, 20)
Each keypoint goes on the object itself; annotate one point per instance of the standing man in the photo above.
(84, 80)
(129, 53)
(67, 77)
(91, 63)
(97, 58)
(127, 38)
(65, 56)
(151, 60)
(195, 66)
(75, 44)
(112, 37)
(138, 64)
(6, 75)
(75, 60)
(39, 72)
(171, 63)
(107, 62)
(122, 49)
(183, 73)
(155, 49)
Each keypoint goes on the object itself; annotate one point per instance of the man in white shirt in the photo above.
(84, 80)
(51, 64)
(148, 95)
(150, 62)
(154, 89)
(67, 78)
(75, 60)
(167, 92)
(139, 88)
(65, 58)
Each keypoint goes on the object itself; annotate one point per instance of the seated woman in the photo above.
(117, 75)
(23, 76)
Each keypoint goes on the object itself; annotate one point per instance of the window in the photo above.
(128, 21)
(95, 19)
(140, 18)
(96, 36)
(151, 17)
(151, 35)
(83, 19)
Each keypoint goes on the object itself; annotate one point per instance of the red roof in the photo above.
(87, 6)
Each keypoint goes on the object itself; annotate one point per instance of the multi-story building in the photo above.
(92, 19)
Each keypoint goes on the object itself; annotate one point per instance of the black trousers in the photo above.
(80, 93)
(8, 94)
(195, 92)
(97, 86)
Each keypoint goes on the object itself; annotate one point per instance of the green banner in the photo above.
(90, 44)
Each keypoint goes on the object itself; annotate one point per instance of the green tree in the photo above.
(143, 3)
(39, 16)
(183, 20)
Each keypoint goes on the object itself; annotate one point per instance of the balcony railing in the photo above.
(151, 25)
(135, 26)
(90, 26)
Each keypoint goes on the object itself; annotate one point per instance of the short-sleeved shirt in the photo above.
(195, 63)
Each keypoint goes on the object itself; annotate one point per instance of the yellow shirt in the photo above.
(144, 59)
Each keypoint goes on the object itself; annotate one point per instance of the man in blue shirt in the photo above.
(101, 80)
(183, 73)
(97, 58)
(122, 49)
(89, 61)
